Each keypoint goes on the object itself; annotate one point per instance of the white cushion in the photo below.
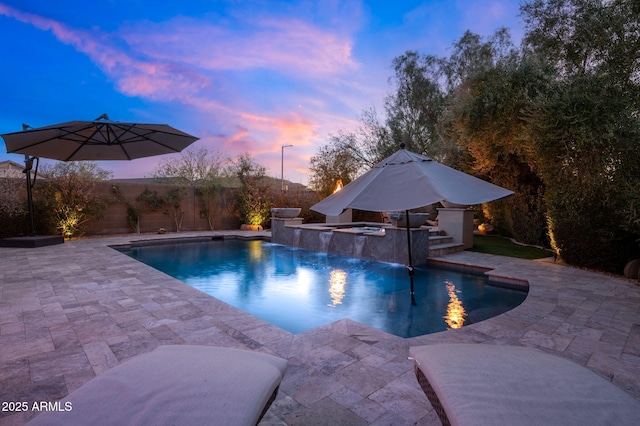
(176, 385)
(506, 385)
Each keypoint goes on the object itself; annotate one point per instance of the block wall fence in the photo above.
(115, 221)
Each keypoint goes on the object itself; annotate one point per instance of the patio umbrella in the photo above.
(405, 181)
(101, 139)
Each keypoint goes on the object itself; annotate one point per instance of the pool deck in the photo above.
(72, 311)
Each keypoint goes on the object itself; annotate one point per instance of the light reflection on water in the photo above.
(299, 290)
(337, 283)
(455, 310)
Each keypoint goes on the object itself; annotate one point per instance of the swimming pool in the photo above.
(299, 290)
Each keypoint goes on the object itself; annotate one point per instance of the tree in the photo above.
(200, 168)
(414, 110)
(466, 110)
(372, 141)
(581, 37)
(193, 165)
(487, 118)
(70, 194)
(587, 128)
(586, 140)
(557, 121)
(172, 206)
(333, 161)
(423, 83)
(251, 201)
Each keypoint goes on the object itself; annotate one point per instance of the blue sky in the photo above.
(243, 75)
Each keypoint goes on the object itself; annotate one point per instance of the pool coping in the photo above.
(70, 312)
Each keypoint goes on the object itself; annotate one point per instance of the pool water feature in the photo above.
(298, 290)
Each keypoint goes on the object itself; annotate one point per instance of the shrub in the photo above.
(13, 209)
(70, 195)
(252, 203)
(172, 207)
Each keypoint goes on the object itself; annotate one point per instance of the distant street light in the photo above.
(282, 167)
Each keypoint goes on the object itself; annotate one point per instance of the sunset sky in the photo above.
(243, 75)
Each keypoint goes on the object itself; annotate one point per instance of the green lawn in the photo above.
(504, 247)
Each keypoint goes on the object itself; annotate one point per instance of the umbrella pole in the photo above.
(28, 165)
(410, 267)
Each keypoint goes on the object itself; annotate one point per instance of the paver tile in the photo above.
(73, 311)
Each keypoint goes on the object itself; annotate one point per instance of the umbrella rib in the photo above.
(117, 140)
(80, 144)
(32, 145)
(40, 142)
(149, 132)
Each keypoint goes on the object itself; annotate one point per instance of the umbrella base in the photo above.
(32, 241)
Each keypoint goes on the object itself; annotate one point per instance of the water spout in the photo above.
(296, 237)
(325, 238)
(358, 244)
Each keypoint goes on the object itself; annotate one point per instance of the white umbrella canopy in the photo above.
(101, 139)
(407, 180)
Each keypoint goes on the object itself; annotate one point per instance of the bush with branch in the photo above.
(197, 167)
(147, 201)
(172, 206)
(13, 209)
(251, 201)
(70, 194)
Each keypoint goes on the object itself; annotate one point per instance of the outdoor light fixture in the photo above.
(282, 167)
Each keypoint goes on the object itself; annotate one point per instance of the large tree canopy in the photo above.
(586, 130)
(556, 120)
(586, 37)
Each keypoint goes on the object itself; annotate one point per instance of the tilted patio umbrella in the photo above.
(405, 181)
(101, 139)
(98, 140)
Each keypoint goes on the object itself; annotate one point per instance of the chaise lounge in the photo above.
(474, 384)
(176, 385)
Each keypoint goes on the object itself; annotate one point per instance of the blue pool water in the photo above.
(299, 290)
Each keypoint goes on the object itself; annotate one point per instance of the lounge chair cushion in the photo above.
(505, 385)
(176, 385)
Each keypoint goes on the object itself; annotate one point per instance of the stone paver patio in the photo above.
(70, 312)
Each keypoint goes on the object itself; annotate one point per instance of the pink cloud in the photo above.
(134, 77)
(238, 142)
(261, 134)
(164, 60)
(289, 46)
(292, 129)
(188, 61)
